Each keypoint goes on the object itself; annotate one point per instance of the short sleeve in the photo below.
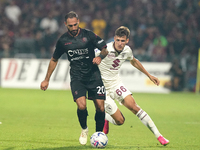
(97, 41)
(130, 53)
(58, 51)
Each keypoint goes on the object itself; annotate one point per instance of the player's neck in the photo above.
(116, 49)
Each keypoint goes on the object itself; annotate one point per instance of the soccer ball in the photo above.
(99, 140)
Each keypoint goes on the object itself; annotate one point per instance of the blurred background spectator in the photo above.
(13, 12)
(177, 73)
(161, 30)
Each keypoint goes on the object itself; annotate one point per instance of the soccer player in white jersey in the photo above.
(115, 89)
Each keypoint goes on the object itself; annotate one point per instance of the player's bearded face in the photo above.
(72, 25)
(120, 42)
(73, 32)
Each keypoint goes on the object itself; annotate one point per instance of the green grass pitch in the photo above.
(38, 120)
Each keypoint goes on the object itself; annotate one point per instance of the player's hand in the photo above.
(155, 80)
(96, 60)
(44, 85)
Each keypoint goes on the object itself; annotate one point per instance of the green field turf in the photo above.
(38, 120)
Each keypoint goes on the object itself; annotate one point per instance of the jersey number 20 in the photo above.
(101, 90)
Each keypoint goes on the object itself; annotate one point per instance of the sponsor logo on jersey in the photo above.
(111, 55)
(100, 41)
(114, 69)
(77, 52)
(68, 43)
(77, 58)
(115, 64)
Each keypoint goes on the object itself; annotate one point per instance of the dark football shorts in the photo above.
(95, 89)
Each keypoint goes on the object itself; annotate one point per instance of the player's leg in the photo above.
(130, 103)
(82, 111)
(113, 114)
(97, 93)
(82, 117)
(100, 114)
(117, 118)
(79, 95)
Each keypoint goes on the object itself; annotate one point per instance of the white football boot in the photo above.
(83, 136)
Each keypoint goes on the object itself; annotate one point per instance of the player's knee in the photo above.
(120, 121)
(81, 103)
(82, 107)
(100, 108)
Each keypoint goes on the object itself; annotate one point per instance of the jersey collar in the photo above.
(115, 49)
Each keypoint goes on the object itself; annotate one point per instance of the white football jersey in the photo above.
(111, 64)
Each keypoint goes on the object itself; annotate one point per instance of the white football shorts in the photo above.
(118, 92)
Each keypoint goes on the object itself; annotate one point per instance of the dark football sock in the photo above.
(100, 120)
(82, 117)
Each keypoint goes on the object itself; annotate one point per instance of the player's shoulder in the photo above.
(110, 46)
(110, 43)
(86, 31)
(62, 39)
(127, 48)
(63, 36)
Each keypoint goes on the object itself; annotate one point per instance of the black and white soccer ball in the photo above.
(99, 140)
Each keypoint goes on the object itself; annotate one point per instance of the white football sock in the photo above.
(146, 120)
(110, 119)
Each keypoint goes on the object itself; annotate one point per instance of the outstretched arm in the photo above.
(136, 63)
(103, 54)
(52, 65)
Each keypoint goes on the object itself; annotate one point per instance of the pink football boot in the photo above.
(106, 127)
(163, 141)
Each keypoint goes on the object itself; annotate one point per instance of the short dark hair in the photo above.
(71, 14)
(122, 31)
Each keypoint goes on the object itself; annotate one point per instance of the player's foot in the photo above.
(106, 127)
(83, 136)
(163, 141)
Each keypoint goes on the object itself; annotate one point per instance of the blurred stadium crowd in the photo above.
(161, 30)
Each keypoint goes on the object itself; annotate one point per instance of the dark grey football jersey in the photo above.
(80, 53)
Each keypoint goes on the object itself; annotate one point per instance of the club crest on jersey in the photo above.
(76, 92)
(122, 54)
(84, 39)
(109, 108)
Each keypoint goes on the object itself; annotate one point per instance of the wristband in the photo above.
(101, 56)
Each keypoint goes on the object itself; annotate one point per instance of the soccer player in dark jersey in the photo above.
(79, 45)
